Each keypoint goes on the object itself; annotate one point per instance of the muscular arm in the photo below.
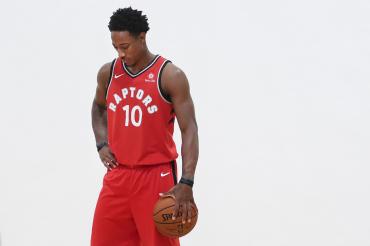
(99, 117)
(176, 85)
(99, 110)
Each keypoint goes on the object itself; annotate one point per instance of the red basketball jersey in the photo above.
(140, 119)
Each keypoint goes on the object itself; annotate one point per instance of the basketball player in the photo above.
(138, 96)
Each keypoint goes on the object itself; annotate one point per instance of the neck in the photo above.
(144, 60)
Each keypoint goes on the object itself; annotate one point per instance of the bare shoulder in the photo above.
(102, 84)
(171, 71)
(174, 80)
(104, 73)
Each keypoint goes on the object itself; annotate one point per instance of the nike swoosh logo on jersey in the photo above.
(164, 174)
(117, 76)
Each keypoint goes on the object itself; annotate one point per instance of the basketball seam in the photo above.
(163, 209)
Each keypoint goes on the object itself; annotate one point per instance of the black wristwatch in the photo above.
(99, 146)
(187, 182)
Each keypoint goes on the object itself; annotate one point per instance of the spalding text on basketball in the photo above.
(167, 217)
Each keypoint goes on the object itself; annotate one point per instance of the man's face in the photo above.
(128, 46)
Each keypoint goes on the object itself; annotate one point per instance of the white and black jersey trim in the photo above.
(133, 75)
(110, 76)
(164, 96)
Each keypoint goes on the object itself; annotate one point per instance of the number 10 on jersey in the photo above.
(131, 116)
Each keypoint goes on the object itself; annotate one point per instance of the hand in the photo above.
(184, 201)
(107, 157)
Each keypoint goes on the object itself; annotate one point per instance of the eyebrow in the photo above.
(120, 44)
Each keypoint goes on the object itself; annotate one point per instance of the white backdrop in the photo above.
(281, 90)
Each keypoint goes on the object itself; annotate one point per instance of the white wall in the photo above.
(281, 90)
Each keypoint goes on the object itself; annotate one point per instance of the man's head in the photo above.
(128, 32)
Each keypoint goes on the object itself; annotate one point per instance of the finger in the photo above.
(167, 194)
(110, 163)
(105, 161)
(183, 210)
(190, 208)
(194, 205)
(111, 160)
(175, 210)
(114, 162)
(106, 164)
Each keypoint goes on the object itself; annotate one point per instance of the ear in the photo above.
(142, 37)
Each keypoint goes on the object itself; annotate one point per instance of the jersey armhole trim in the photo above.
(164, 96)
(110, 77)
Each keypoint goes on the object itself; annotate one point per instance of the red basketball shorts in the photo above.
(124, 210)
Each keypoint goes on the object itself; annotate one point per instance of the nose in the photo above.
(121, 54)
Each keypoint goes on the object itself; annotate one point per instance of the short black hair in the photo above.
(128, 19)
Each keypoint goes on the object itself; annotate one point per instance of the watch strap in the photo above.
(186, 181)
(99, 146)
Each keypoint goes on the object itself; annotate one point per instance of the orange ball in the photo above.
(162, 216)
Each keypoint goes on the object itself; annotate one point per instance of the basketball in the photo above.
(162, 215)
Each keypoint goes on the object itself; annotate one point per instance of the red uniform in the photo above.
(140, 128)
(140, 119)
